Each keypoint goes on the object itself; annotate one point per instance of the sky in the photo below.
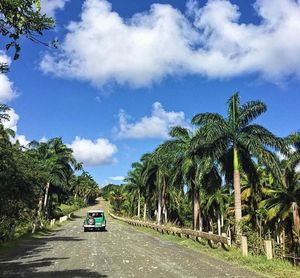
(125, 72)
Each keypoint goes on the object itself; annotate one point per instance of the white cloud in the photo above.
(155, 126)
(44, 139)
(13, 120)
(98, 152)
(22, 140)
(49, 7)
(117, 178)
(12, 124)
(7, 91)
(209, 41)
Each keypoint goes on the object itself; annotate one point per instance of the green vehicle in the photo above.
(95, 220)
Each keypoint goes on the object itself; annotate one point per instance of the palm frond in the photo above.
(208, 118)
(250, 111)
(180, 133)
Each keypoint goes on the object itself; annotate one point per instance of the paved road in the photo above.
(119, 252)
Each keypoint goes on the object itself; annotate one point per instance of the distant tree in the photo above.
(57, 161)
(135, 182)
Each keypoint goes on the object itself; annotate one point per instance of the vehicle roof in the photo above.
(96, 210)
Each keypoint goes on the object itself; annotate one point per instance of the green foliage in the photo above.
(105, 190)
(198, 167)
(22, 18)
(35, 181)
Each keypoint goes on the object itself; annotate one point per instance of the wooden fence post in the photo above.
(244, 246)
(268, 249)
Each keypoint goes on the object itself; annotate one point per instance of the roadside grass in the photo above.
(66, 209)
(46, 230)
(259, 264)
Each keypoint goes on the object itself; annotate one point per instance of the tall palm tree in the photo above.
(149, 175)
(57, 161)
(253, 194)
(163, 167)
(283, 200)
(235, 140)
(136, 182)
(187, 166)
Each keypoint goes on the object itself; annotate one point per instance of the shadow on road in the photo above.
(14, 270)
(62, 238)
(20, 262)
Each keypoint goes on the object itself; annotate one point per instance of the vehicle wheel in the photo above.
(85, 229)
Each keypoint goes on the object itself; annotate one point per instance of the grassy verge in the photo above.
(274, 268)
(47, 230)
(66, 209)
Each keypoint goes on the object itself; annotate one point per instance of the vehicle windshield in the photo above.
(95, 214)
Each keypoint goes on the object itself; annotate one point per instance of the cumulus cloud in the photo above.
(49, 7)
(22, 140)
(13, 120)
(7, 91)
(91, 153)
(208, 40)
(155, 126)
(117, 178)
(12, 124)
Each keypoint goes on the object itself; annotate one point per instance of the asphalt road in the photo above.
(120, 252)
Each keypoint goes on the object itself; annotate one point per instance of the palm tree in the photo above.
(136, 182)
(283, 201)
(162, 166)
(149, 175)
(253, 193)
(187, 166)
(57, 161)
(116, 198)
(216, 205)
(234, 140)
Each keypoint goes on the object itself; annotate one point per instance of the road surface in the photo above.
(120, 252)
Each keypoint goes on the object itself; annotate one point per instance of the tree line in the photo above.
(228, 174)
(38, 182)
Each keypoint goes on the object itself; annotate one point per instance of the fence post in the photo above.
(244, 246)
(268, 249)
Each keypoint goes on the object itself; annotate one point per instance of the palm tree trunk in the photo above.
(163, 201)
(296, 221)
(211, 224)
(139, 206)
(219, 225)
(39, 212)
(158, 215)
(200, 222)
(165, 213)
(145, 210)
(237, 189)
(46, 196)
(196, 208)
(193, 213)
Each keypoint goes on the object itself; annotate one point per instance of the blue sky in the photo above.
(126, 71)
